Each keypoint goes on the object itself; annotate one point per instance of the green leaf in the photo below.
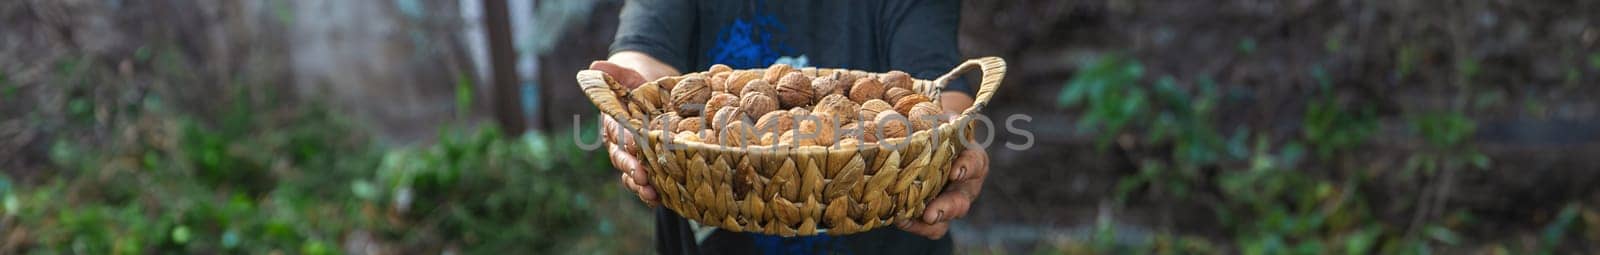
(1594, 60)
(1070, 96)
(1361, 242)
(1444, 235)
(181, 234)
(1480, 160)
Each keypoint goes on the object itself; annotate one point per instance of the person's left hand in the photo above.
(966, 181)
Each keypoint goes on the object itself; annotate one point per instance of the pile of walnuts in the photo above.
(785, 106)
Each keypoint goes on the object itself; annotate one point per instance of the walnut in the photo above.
(718, 82)
(869, 131)
(871, 108)
(839, 106)
(848, 76)
(733, 114)
(761, 86)
(892, 125)
(926, 115)
(896, 79)
(794, 90)
(719, 68)
(904, 105)
(895, 94)
(739, 80)
(866, 89)
(776, 72)
(775, 122)
(756, 104)
(666, 122)
(819, 128)
(769, 138)
(799, 111)
(691, 124)
(690, 95)
(737, 134)
(717, 101)
(708, 136)
(850, 131)
(824, 86)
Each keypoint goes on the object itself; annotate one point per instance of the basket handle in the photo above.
(603, 91)
(994, 71)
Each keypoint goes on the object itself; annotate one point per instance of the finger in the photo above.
(620, 159)
(614, 131)
(645, 193)
(625, 76)
(972, 164)
(629, 165)
(952, 204)
(931, 231)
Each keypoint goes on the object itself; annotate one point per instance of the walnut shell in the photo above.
(871, 108)
(719, 68)
(758, 85)
(737, 134)
(794, 90)
(708, 136)
(770, 138)
(722, 120)
(866, 89)
(690, 95)
(820, 128)
(850, 131)
(892, 125)
(850, 76)
(775, 122)
(896, 79)
(776, 72)
(926, 115)
(756, 104)
(666, 122)
(904, 105)
(869, 131)
(799, 111)
(719, 100)
(895, 94)
(691, 124)
(824, 86)
(839, 106)
(739, 80)
(718, 82)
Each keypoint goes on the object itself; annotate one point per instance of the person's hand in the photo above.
(966, 181)
(967, 173)
(620, 144)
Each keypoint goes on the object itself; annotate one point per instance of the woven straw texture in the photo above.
(800, 190)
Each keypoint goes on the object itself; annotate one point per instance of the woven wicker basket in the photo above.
(800, 190)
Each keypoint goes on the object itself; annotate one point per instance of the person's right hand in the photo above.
(619, 143)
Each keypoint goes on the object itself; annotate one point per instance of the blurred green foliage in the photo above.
(263, 177)
(1267, 194)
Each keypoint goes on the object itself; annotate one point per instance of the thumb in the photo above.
(626, 76)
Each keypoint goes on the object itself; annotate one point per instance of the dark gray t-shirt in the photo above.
(918, 37)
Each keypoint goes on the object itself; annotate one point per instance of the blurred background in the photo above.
(446, 127)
